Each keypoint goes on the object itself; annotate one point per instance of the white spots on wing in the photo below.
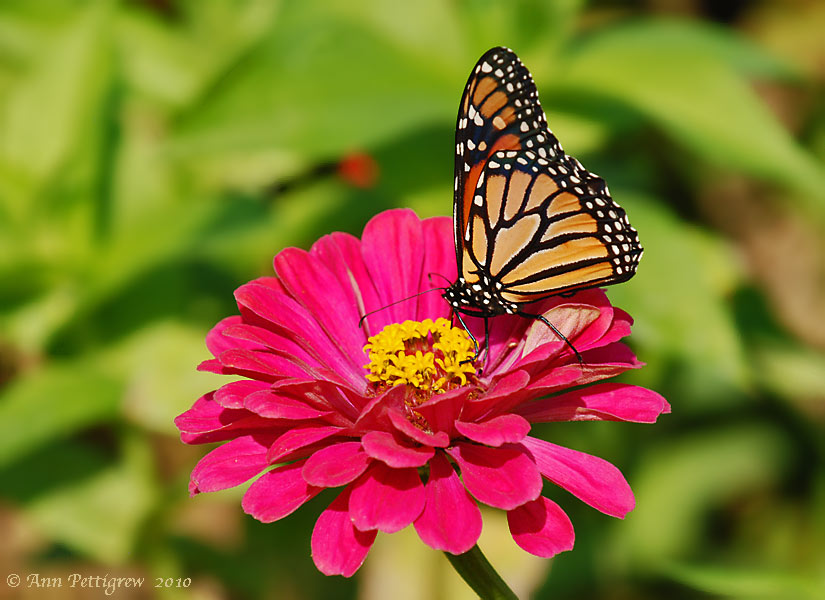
(482, 145)
(478, 120)
(471, 112)
(524, 126)
(486, 67)
(467, 233)
(493, 164)
(478, 201)
(471, 144)
(499, 73)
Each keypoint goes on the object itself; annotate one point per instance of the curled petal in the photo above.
(278, 493)
(336, 465)
(298, 439)
(267, 403)
(451, 520)
(387, 448)
(232, 394)
(386, 499)
(231, 464)
(603, 402)
(589, 478)
(504, 429)
(338, 548)
(541, 528)
(503, 477)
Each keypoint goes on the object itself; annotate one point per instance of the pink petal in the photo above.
(439, 267)
(341, 252)
(262, 365)
(324, 396)
(334, 307)
(271, 342)
(336, 465)
(442, 410)
(207, 421)
(387, 448)
(541, 528)
(269, 404)
(278, 493)
(504, 429)
(502, 477)
(338, 548)
(451, 520)
(438, 439)
(570, 319)
(218, 343)
(232, 394)
(602, 402)
(507, 391)
(301, 439)
(393, 250)
(589, 478)
(386, 499)
(260, 305)
(231, 464)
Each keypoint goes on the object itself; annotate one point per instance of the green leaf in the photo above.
(100, 516)
(695, 97)
(677, 484)
(52, 403)
(743, 583)
(678, 300)
(42, 120)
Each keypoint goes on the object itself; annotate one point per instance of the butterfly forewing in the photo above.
(530, 221)
(499, 110)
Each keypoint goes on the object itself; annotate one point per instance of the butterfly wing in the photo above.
(528, 217)
(499, 110)
(539, 227)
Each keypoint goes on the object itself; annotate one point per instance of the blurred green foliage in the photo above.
(155, 154)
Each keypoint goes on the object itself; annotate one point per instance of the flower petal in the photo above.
(385, 447)
(261, 305)
(207, 422)
(451, 520)
(503, 477)
(541, 528)
(504, 429)
(232, 394)
(393, 250)
(439, 439)
(334, 307)
(231, 464)
(300, 439)
(267, 403)
(439, 259)
(602, 402)
(338, 548)
(278, 493)
(590, 478)
(386, 499)
(336, 465)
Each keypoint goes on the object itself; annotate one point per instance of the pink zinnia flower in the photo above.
(314, 409)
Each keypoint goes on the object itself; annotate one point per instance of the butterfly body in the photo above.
(530, 221)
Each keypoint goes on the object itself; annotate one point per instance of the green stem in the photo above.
(480, 575)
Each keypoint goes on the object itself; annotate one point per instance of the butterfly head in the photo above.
(482, 297)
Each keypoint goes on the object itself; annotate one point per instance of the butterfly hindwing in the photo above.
(538, 228)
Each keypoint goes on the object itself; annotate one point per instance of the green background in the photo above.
(155, 155)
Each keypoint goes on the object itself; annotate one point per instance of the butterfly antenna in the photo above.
(372, 312)
(430, 277)
(557, 332)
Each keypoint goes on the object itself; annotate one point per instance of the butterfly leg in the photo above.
(556, 331)
(467, 329)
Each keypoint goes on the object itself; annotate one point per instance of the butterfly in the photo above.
(529, 221)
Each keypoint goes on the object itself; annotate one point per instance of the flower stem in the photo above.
(480, 575)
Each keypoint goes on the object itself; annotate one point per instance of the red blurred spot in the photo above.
(358, 169)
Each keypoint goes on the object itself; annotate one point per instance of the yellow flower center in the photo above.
(430, 357)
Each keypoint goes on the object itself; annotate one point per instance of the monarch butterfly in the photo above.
(529, 221)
